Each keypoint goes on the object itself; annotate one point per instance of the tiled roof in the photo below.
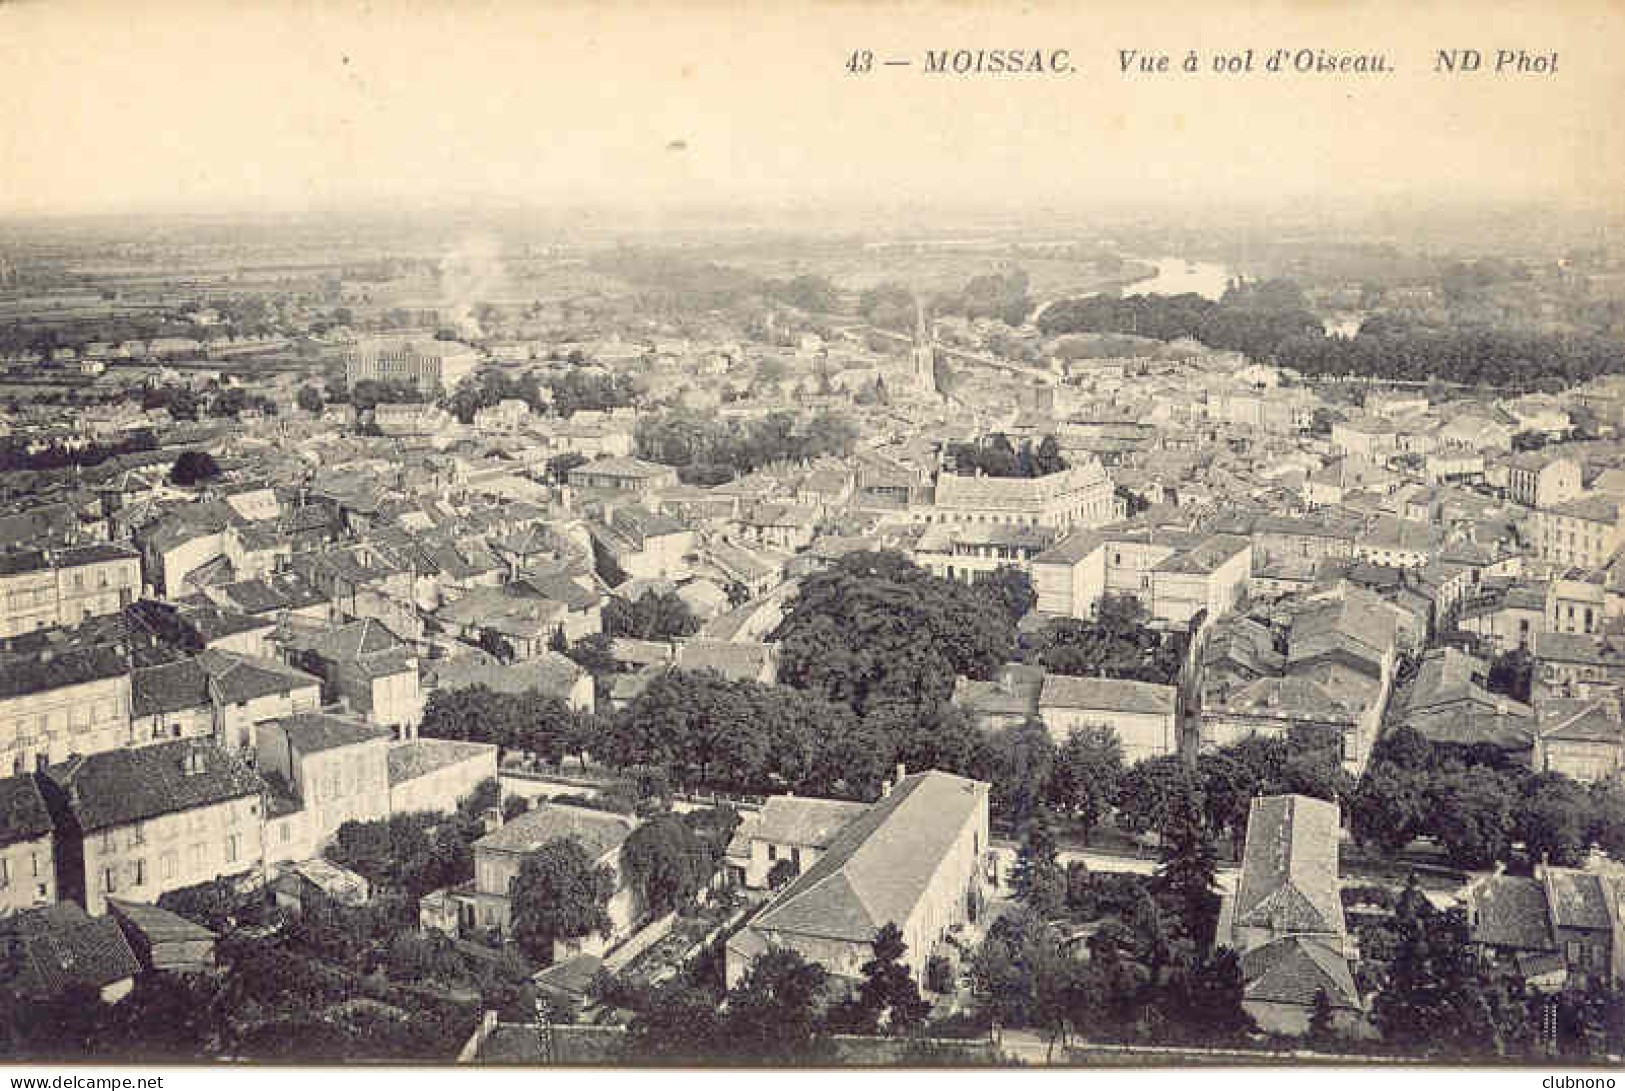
(878, 868)
(171, 687)
(157, 925)
(551, 673)
(795, 820)
(419, 757)
(1288, 698)
(356, 640)
(122, 786)
(1289, 866)
(1510, 911)
(313, 732)
(281, 591)
(1358, 623)
(736, 660)
(24, 674)
(1592, 509)
(1578, 899)
(1111, 694)
(1206, 557)
(23, 814)
(60, 946)
(1581, 720)
(1600, 651)
(622, 467)
(1292, 969)
(246, 677)
(1014, 493)
(599, 832)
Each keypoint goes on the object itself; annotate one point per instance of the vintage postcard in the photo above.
(811, 534)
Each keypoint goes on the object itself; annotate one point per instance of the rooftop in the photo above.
(1289, 866)
(599, 832)
(122, 786)
(1112, 694)
(881, 864)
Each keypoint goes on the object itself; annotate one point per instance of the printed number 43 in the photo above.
(860, 61)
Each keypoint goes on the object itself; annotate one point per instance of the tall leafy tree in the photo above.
(1011, 589)
(774, 1013)
(1038, 879)
(559, 894)
(1188, 872)
(1088, 770)
(678, 1025)
(876, 626)
(889, 994)
(665, 863)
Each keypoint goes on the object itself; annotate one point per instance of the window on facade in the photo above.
(138, 873)
(166, 865)
(772, 852)
(5, 872)
(109, 881)
(231, 848)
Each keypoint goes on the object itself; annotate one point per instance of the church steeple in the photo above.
(924, 353)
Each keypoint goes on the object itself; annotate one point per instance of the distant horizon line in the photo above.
(914, 209)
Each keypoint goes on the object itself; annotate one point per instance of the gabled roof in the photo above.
(1510, 911)
(357, 640)
(419, 757)
(313, 732)
(1291, 970)
(24, 674)
(59, 946)
(551, 673)
(122, 786)
(878, 868)
(170, 687)
(246, 677)
(155, 924)
(1289, 866)
(1106, 694)
(731, 659)
(1205, 557)
(1581, 720)
(795, 820)
(599, 832)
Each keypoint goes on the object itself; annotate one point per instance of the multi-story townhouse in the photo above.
(334, 768)
(62, 587)
(1584, 532)
(144, 821)
(56, 703)
(27, 862)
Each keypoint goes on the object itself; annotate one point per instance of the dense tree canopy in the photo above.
(559, 894)
(655, 615)
(666, 863)
(530, 721)
(193, 468)
(1115, 643)
(875, 626)
(685, 438)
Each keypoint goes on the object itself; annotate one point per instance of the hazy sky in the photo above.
(177, 104)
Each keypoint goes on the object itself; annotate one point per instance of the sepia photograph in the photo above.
(949, 534)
